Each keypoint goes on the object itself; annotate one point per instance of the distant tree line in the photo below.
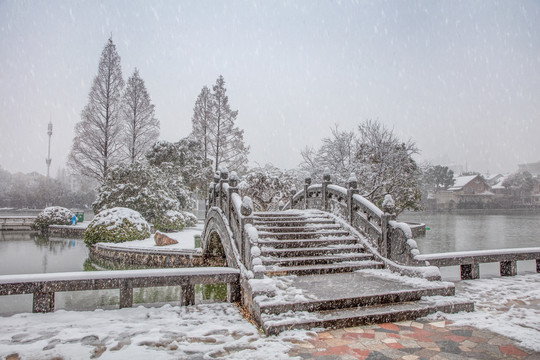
(35, 191)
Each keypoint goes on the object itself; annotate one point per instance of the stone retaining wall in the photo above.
(141, 258)
(66, 231)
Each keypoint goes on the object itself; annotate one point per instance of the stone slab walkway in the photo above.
(410, 340)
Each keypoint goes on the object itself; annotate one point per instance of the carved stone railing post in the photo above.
(307, 182)
(324, 193)
(388, 206)
(292, 193)
(224, 178)
(215, 193)
(233, 188)
(352, 188)
(246, 210)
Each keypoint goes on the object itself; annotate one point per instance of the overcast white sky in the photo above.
(461, 78)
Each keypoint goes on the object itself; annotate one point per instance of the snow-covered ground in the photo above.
(509, 306)
(185, 238)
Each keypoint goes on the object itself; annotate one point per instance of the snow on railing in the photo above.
(393, 239)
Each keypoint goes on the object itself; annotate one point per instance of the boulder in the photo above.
(162, 240)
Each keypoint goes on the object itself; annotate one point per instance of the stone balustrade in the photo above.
(44, 286)
(469, 261)
(11, 223)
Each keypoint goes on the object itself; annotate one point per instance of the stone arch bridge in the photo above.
(330, 258)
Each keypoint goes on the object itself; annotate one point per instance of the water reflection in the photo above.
(30, 253)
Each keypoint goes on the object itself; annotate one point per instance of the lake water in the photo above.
(464, 231)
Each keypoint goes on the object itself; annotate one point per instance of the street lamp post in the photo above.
(48, 159)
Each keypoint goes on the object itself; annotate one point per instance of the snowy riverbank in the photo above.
(507, 306)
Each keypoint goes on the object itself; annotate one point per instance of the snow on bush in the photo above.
(117, 225)
(54, 215)
(190, 219)
(175, 220)
(170, 221)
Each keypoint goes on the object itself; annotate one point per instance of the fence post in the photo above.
(307, 182)
(324, 193)
(352, 189)
(43, 301)
(126, 294)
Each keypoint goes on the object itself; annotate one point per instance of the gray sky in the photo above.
(461, 78)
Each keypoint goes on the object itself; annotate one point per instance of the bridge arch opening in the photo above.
(214, 252)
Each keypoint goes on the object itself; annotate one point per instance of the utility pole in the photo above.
(48, 159)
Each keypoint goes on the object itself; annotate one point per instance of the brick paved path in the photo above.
(410, 340)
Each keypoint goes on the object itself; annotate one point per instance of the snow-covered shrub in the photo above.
(117, 225)
(175, 221)
(190, 219)
(267, 186)
(141, 187)
(54, 215)
(170, 221)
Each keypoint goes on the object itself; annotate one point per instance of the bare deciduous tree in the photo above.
(98, 135)
(202, 113)
(382, 163)
(214, 127)
(141, 125)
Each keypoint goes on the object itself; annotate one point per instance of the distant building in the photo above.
(532, 168)
(467, 192)
(470, 185)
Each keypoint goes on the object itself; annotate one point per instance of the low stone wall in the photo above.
(66, 231)
(150, 258)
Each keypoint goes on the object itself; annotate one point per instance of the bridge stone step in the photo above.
(303, 235)
(295, 229)
(356, 316)
(388, 297)
(314, 260)
(299, 222)
(322, 268)
(311, 251)
(307, 243)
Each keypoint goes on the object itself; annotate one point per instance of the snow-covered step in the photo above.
(322, 268)
(303, 235)
(355, 316)
(305, 243)
(311, 251)
(299, 222)
(312, 260)
(306, 228)
(370, 299)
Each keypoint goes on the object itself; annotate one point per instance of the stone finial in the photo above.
(353, 181)
(326, 175)
(247, 206)
(388, 204)
(233, 179)
(307, 180)
(224, 173)
(293, 190)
